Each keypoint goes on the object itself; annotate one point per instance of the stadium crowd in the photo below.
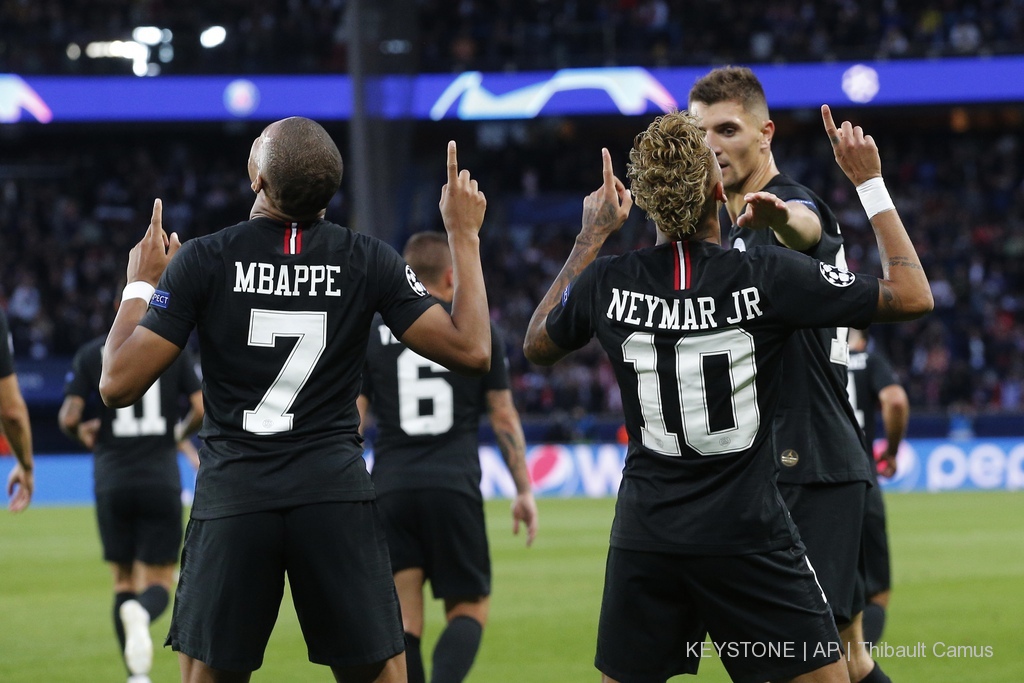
(512, 35)
(72, 209)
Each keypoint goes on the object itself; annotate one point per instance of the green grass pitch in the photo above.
(958, 566)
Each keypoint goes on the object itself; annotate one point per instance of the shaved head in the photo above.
(301, 166)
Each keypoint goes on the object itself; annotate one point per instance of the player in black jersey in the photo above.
(824, 477)
(873, 387)
(702, 542)
(427, 474)
(283, 304)
(138, 489)
(15, 424)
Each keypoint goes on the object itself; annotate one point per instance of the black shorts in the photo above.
(141, 524)
(830, 518)
(442, 532)
(765, 612)
(232, 581)
(875, 564)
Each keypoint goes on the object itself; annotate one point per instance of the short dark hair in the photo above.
(428, 255)
(731, 84)
(302, 167)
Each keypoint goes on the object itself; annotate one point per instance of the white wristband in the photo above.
(874, 197)
(138, 290)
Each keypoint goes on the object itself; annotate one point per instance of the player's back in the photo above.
(815, 425)
(427, 417)
(135, 444)
(283, 313)
(695, 334)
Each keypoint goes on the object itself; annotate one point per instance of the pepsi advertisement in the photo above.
(595, 470)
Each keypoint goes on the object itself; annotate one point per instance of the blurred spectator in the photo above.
(72, 205)
(50, 37)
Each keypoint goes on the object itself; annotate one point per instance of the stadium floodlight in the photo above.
(125, 49)
(213, 36)
(147, 35)
(73, 51)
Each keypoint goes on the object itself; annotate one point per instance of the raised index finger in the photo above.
(156, 223)
(830, 125)
(453, 163)
(606, 162)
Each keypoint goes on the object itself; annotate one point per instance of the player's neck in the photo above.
(755, 182)
(263, 208)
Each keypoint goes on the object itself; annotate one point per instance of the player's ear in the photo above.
(767, 132)
(719, 191)
(257, 183)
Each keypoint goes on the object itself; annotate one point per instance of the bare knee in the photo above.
(477, 607)
(389, 671)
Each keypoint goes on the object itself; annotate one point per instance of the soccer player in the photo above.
(824, 477)
(283, 304)
(138, 489)
(427, 474)
(701, 541)
(873, 387)
(16, 425)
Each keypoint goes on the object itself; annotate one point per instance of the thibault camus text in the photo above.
(787, 650)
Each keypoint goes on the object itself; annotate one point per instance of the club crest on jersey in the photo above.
(160, 299)
(836, 276)
(414, 281)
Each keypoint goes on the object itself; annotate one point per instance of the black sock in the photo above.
(874, 622)
(456, 650)
(120, 599)
(414, 659)
(154, 599)
(876, 676)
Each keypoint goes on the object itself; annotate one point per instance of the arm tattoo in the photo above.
(904, 261)
(513, 449)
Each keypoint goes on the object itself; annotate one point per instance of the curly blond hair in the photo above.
(670, 173)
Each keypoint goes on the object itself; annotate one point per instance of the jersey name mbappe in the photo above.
(287, 280)
(654, 312)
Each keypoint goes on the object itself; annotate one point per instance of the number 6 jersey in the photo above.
(283, 314)
(695, 335)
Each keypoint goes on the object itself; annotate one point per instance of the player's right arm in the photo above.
(134, 356)
(508, 430)
(460, 341)
(903, 290)
(604, 212)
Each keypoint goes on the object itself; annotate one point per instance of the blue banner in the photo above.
(474, 95)
(595, 470)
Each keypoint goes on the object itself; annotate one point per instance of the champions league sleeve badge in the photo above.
(414, 282)
(835, 276)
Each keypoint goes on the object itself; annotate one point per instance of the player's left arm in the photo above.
(193, 419)
(363, 406)
(895, 408)
(795, 225)
(508, 430)
(604, 212)
(134, 356)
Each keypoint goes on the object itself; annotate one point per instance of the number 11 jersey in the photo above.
(283, 313)
(695, 335)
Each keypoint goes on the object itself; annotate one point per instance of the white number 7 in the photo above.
(271, 415)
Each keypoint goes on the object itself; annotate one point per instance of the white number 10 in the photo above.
(733, 345)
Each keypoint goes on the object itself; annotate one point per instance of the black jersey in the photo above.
(816, 432)
(868, 374)
(695, 334)
(6, 348)
(283, 313)
(135, 445)
(428, 418)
